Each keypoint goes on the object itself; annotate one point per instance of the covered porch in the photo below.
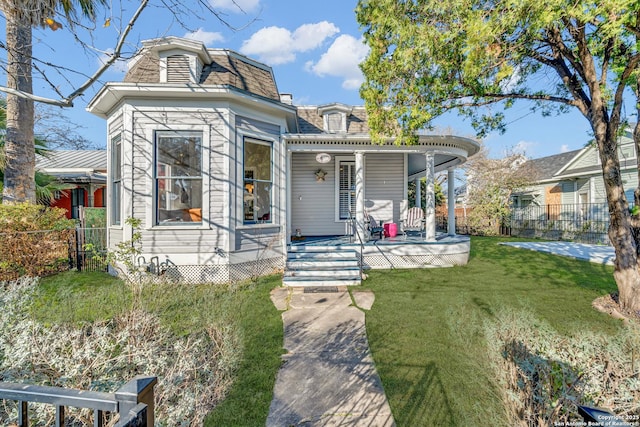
(410, 251)
(337, 183)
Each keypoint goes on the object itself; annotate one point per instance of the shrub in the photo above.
(543, 375)
(34, 240)
(194, 373)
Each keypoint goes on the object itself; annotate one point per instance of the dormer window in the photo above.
(334, 117)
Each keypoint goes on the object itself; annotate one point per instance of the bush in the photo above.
(34, 240)
(544, 375)
(194, 372)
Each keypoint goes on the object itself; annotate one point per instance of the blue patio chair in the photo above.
(373, 227)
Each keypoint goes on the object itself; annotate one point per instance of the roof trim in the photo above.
(112, 93)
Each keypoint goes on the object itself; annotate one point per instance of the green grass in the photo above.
(426, 326)
(425, 329)
(77, 298)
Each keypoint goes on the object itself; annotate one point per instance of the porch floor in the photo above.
(412, 238)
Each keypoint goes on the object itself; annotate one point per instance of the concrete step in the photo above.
(346, 273)
(328, 254)
(321, 263)
(314, 281)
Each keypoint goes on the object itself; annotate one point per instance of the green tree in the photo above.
(477, 58)
(411, 191)
(490, 185)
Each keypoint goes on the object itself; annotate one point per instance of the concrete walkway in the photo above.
(328, 377)
(600, 254)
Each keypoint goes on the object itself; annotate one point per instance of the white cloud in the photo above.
(310, 36)
(236, 6)
(341, 60)
(277, 45)
(564, 148)
(206, 37)
(523, 147)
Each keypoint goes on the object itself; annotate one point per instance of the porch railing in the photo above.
(133, 401)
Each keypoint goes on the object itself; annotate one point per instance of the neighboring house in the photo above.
(575, 177)
(84, 171)
(223, 171)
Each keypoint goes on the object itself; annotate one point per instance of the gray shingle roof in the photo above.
(547, 167)
(227, 68)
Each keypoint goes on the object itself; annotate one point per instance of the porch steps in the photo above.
(321, 266)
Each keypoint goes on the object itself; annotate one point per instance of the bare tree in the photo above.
(79, 17)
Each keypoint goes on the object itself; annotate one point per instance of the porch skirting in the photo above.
(215, 273)
(446, 252)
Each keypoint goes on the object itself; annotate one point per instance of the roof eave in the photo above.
(113, 93)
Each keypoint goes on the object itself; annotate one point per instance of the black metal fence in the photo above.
(582, 222)
(134, 402)
(90, 249)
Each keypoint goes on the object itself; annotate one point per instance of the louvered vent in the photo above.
(178, 69)
(334, 122)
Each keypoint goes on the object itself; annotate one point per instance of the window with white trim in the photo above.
(116, 180)
(258, 181)
(178, 177)
(346, 189)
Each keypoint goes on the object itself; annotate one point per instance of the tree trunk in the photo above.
(19, 174)
(626, 274)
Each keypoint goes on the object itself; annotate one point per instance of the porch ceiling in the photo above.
(417, 163)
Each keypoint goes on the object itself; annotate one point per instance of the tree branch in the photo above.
(68, 101)
(114, 57)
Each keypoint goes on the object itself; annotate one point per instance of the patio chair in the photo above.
(414, 221)
(372, 226)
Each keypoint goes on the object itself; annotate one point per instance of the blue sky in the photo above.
(313, 46)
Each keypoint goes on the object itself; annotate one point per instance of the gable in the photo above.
(311, 120)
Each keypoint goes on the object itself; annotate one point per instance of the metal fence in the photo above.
(582, 222)
(90, 249)
(134, 402)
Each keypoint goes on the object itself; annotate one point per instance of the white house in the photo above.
(227, 174)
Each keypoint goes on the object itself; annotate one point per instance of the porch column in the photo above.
(430, 200)
(451, 202)
(289, 200)
(360, 224)
(418, 201)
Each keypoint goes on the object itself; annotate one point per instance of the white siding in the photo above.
(313, 203)
(384, 186)
(183, 238)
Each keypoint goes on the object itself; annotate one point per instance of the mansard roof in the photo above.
(220, 67)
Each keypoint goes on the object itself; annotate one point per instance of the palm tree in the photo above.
(45, 185)
(20, 17)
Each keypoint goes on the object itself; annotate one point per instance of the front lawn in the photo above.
(427, 328)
